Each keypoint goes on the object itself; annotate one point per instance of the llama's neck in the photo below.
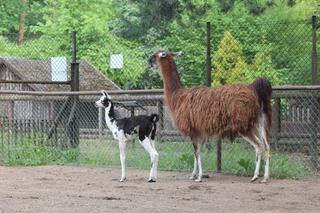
(171, 79)
(110, 116)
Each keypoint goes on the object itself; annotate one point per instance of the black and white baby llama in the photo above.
(126, 129)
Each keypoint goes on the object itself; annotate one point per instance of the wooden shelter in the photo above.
(21, 107)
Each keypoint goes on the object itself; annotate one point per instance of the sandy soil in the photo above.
(84, 189)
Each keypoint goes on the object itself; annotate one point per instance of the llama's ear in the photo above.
(162, 54)
(177, 53)
(104, 93)
(108, 96)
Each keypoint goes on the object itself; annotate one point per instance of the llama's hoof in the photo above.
(254, 179)
(123, 179)
(264, 180)
(151, 180)
(198, 180)
(192, 177)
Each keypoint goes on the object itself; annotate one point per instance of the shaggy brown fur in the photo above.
(231, 108)
(215, 112)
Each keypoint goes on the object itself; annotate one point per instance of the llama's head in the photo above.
(104, 101)
(162, 57)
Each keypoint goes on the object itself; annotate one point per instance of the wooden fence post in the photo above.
(161, 114)
(100, 121)
(315, 101)
(313, 148)
(314, 57)
(276, 125)
(75, 86)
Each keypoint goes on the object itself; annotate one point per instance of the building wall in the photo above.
(22, 109)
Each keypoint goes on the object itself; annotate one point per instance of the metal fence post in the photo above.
(276, 123)
(208, 61)
(314, 58)
(161, 114)
(208, 84)
(313, 149)
(315, 99)
(100, 124)
(73, 125)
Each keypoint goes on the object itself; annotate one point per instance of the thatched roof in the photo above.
(40, 70)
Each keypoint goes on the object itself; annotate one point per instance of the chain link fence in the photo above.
(280, 51)
(41, 127)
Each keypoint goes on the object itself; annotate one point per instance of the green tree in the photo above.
(226, 5)
(137, 17)
(262, 67)
(229, 65)
(20, 16)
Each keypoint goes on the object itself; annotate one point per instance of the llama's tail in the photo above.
(154, 118)
(263, 89)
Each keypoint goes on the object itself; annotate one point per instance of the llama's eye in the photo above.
(162, 54)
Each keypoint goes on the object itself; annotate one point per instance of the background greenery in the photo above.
(247, 36)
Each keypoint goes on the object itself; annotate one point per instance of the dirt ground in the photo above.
(87, 189)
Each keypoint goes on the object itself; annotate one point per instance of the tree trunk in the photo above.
(23, 17)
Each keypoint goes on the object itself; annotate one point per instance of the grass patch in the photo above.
(31, 152)
(237, 158)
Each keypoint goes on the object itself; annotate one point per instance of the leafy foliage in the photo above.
(262, 67)
(229, 65)
(136, 29)
(137, 17)
(10, 13)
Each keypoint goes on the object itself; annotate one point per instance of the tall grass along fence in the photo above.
(36, 129)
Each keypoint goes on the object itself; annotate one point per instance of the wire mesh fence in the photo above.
(280, 51)
(39, 129)
(242, 51)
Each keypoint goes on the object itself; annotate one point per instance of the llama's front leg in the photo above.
(195, 169)
(197, 150)
(122, 148)
(153, 156)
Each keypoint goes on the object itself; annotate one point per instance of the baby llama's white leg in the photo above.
(146, 143)
(155, 168)
(122, 148)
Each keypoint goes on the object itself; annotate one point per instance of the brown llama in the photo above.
(228, 111)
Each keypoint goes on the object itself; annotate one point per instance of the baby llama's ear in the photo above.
(108, 96)
(104, 92)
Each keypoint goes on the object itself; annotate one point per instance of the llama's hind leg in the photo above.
(263, 132)
(122, 148)
(255, 142)
(264, 135)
